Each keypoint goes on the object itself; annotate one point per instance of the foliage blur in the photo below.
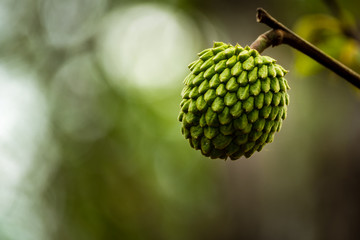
(330, 35)
(90, 147)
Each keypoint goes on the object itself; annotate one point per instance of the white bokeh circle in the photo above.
(147, 45)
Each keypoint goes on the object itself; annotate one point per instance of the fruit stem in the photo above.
(281, 34)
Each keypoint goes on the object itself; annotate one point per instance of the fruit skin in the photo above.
(233, 102)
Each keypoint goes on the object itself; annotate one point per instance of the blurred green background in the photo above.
(90, 145)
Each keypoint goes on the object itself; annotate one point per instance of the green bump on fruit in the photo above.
(236, 69)
(218, 104)
(243, 56)
(271, 70)
(232, 85)
(279, 71)
(253, 75)
(276, 99)
(186, 133)
(268, 98)
(274, 113)
(185, 92)
(243, 79)
(220, 66)
(282, 83)
(263, 71)
(188, 78)
(267, 60)
(221, 90)
(204, 86)
(238, 48)
(206, 54)
(196, 131)
(259, 124)
(191, 118)
(241, 139)
(225, 116)
(201, 103)
(181, 116)
(265, 85)
(236, 110)
(195, 143)
(197, 67)
(210, 95)
(253, 115)
(210, 132)
(232, 148)
(192, 64)
(255, 88)
(231, 62)
(227, 129)
(229, 52)
(215, 81)
(185, 107)
(283, 99)
(243, 92)
(247, 129)
(274, 85)
(254, 53)
(248, 104)
(265, 112)
(225, 75)
(233, 101)
(241, 122)
(230, 99)
(249, 64)
(263, 138)
(208, 63)
(192, 107)
(255, 135)
(198, 79)
(202, 121)
(220, 56)
(221, 141)
(203, 52)
(205, 145)
(211, 118)
(194, 93)
(258, 61)
(183, 102)
(270, 138)
(217, 44)
(259, 101)
(209, 72)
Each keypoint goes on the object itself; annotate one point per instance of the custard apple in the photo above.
(233, 102)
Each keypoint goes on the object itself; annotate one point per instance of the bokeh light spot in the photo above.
(147, 45)
(70, 22)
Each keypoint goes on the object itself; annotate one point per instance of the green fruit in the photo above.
(234, 100)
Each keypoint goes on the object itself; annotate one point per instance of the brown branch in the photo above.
(281, 34)
(270, 38)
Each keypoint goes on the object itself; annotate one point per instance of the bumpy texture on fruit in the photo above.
(234, 100)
